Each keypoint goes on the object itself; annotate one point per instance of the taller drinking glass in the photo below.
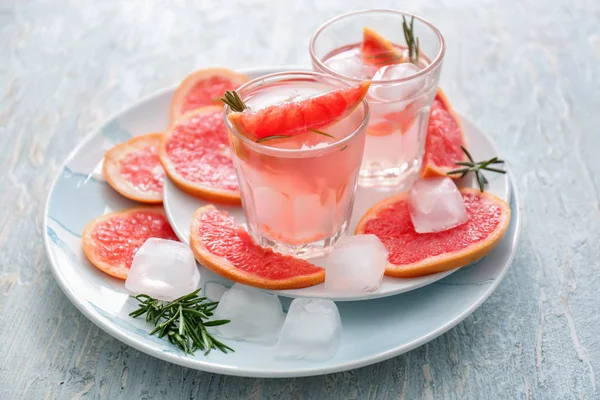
(402, 54)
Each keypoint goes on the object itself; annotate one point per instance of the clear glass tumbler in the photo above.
(298, 192)
(374, 44)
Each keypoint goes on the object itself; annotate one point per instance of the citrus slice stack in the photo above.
(196, 156)
(111, 241)
(413, 254)
(134, 170)
(203, 88)
(228, 250)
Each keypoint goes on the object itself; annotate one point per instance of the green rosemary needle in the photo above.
(233, 100)
(183, 321)
(321, 133)
(412, 42)
(477, 167)
(272, 137)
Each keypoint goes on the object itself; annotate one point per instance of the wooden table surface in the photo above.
(527, 72)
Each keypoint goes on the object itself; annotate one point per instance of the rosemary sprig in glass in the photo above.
(233, 100)
(183, 321)
(477, 167)
(321, 133)
(412, 42)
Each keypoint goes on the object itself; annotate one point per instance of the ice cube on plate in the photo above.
(356, 264)
(255, 316)
(396, 91)
(312, 330)
(436, 205)
(163, 269)
(214, 291)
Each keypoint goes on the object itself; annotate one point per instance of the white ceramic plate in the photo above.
(374, 330)
(180, 207)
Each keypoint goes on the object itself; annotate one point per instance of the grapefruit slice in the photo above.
(133, 169)
(412, 254)
(204, 88)
(111, 241)
(296, 117)
(228, 250)
(443, 141)
(378, 51)
(195, 154)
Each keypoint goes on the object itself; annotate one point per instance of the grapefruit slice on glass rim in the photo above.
(111, 241)
(443, 140)
(196, 156)
(228, 250)
(134, 170)
(296, 117)
(203, 88)
(412, 254)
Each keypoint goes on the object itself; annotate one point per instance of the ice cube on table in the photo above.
(396, 91)
(163, 269)
(255, 316)
(214, 291)
(312, 330)
(356, 264)
(436, 205)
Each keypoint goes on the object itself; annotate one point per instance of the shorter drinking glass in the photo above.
(298, 192)
(382, 45)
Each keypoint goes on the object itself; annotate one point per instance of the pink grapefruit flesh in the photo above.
(378, 51)
(413, 254)
(196, 156)
(297, 117)
(111, 241)
(228, 250)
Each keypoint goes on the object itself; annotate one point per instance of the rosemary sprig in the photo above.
(233, 100)
(321, 133)
(477, 167)
(412, 42)
(272, 137)
(183, 321)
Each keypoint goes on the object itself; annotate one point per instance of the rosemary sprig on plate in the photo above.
(412, 42)
(183, 321)
(477, 167)
(233, 100)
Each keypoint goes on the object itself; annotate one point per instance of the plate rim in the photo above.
(105, 324)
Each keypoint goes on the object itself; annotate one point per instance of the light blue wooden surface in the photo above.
(528, 72)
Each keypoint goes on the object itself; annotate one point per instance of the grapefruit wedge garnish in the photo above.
(228, 250)
(443, 140)
(203, 88)
(195, 154)
(378, 51)
(414, 254)
(111, 241)
(134, 170)
(295, 117)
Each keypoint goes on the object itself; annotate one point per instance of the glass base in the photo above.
(314, 249)
(374, 177)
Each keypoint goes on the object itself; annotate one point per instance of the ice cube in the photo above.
(356, 264)
(255, 316)
(214, 291)
(350, 65)
(163, 269)
(436, 205)
(312, 330)
(396, 91)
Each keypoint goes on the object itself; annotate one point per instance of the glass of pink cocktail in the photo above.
(402, 54)
(297, 183)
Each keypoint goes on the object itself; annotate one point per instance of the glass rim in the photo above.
(434, 64)
(293, 153)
